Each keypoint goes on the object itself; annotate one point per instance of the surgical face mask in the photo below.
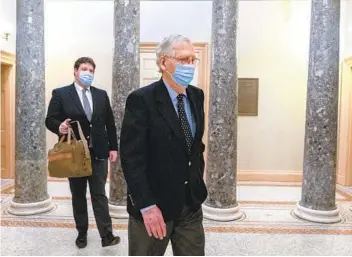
(86, 78)
(184, 74)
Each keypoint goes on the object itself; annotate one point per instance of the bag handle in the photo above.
(61, 139)
(83, 139)
(70, 135)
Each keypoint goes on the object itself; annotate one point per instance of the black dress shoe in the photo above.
(110, 240)
(81, 240)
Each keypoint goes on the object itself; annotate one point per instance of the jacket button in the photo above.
(186, 182)
(90, 125)
(87, 136)
(189, 164)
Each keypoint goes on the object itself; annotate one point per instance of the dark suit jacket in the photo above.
(65, 104)
(154, 155)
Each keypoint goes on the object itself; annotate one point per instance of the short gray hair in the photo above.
(167, 44)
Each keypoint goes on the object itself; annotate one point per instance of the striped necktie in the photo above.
(86, 105)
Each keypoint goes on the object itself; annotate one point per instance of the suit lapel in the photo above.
(167, 110)
(195, 111)
(93, 91)
(75, 98)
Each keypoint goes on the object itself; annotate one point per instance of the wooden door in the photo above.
(7, 126)
(148, 68)
(344, 152)
(5, 122)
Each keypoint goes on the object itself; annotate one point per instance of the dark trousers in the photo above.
(99, 200)
(186, 235)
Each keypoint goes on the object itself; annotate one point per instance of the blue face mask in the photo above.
(184, 74)
(86, 78)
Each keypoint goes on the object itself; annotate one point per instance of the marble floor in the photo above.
(267, 228)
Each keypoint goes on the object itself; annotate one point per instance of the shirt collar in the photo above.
(173, 94)
(78, 87)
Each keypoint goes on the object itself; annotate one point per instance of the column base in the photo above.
(218, 214)
(25, 209)
(318, 216)
(118, 212)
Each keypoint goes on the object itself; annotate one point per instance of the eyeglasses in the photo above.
(193, 61)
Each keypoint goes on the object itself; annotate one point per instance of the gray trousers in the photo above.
(186, 235)
(99, 200)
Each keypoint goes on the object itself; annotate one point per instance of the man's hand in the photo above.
(113, 156)
(63, 128)
(154, 223)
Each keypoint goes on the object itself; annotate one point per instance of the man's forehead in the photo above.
(86, 66)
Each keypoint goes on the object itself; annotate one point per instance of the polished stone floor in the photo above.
(267, 228)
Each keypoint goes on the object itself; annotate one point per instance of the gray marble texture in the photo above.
(30, 157)
(125, 78)
(319, 167)
(222, 138)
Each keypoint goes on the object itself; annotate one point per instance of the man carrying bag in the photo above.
(90, 107)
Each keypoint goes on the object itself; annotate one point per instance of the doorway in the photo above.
(7, 115)
(344, 153)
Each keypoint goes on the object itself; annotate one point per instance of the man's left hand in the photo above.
(113, 156)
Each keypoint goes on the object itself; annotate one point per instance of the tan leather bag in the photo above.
(70, 159)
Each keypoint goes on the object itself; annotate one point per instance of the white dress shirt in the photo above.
(79, 90)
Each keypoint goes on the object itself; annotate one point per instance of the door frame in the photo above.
(344, 145)
(10, 60)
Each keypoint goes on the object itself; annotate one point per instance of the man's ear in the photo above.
(162, 63)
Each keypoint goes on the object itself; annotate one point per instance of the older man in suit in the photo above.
(89, 105)
(162, 156)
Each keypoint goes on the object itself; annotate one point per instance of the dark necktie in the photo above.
(184, 122)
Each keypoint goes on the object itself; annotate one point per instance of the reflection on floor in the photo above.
(268, 228)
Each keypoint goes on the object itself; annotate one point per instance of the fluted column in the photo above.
(319, 166)
(221, 203)
(125, 79)
(31, 195)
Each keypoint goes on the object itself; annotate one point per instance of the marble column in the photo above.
(319, 166)
(125, 79)
(221, 203)
(31, 194)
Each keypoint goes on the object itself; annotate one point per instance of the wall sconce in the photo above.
(6, 30)
(5, 35)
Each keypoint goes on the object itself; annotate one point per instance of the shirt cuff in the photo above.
(147, 208)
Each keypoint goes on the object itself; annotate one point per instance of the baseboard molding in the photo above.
(269, 175)
(251, 175)
(246, 175)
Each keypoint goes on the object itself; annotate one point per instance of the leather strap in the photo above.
(83, 139)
